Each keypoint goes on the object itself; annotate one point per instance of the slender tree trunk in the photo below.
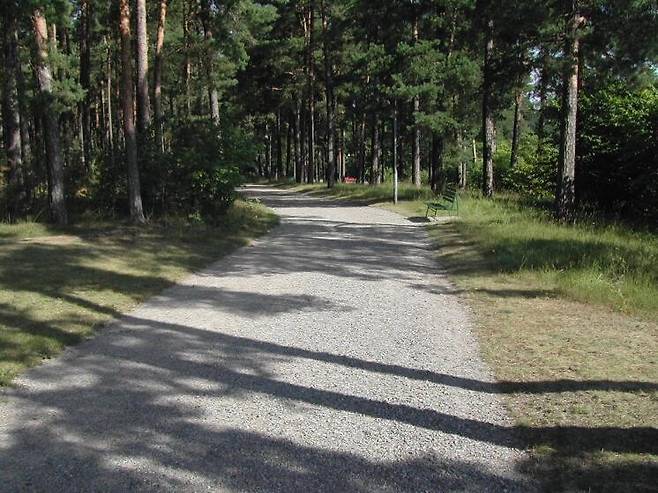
(462, 161)
(543, 90)
(12, 118)
(157, 75)
(436, 162)
(289, 139)
(213, 95)
(331, 101)
(85, 79)
(110, 120)
(488, 125)
(50, 120)
(415, 147)
(134, 192)
(395, 153)
(516, 131)
(311, 92)
(300, 138)
(187, 69)
(375, 174)
(143, 105)
(566, 196)
(279, 145)
(362, 148)
(268, 151)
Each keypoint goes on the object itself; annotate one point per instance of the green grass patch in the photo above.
(58, 284)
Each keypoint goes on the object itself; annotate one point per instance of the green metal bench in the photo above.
(449, 201)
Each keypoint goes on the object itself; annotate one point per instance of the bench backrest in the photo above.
(450, 194)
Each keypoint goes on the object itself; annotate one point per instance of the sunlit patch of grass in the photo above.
(58, 284)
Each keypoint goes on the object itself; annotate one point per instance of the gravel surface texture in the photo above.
(330, 355)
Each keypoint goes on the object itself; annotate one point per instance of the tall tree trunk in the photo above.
(516, 130)
(462, 160)
(279, 145)
(488, 125)
(187, 68)
(85, 78)
(361, 146)
(213, 95)
(143, 105)
(436, 163)
(134, 191)
(566, 191)
(157, 75)
(331, 100)
(110, 119)
(300, 129)
(415, 147)
(289, 139)
(50, 120)
(311, 92)
(375, 174)
(543, 90)
(12, 118)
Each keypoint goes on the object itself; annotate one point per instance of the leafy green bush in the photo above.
(534, 174)
(198, 174)
(617, 150)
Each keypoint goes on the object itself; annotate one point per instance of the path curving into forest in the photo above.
(330, 355)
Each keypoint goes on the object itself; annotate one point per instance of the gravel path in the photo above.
(328, 356)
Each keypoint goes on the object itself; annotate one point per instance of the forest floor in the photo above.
(58, 285)
(567, 317)
(329, 355)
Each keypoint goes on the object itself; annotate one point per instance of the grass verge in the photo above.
(58, 285)
(567, 317)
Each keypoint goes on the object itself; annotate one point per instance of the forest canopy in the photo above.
(144, 108)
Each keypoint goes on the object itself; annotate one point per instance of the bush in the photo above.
(198, 175)
(617, 151)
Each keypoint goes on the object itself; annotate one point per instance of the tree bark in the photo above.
(331, 101)
(299, 143)
(516, 130)
(50, 120)
(289, 140)
(187, 69)
(488, 125)
(375, 174)
(543, 90)
(566, 191)
(85, 78)
(437, 178)
(415, 147)
(310, 172)
(462, 161)
(12, 119)
(279, 145)
(143, 104)
(157, 75)
(213, 95)
(134, 191)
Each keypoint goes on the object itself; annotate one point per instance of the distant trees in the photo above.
(483, 94)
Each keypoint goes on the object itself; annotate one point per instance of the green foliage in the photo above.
(618, 150)
(534, 175)
(197, 175)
